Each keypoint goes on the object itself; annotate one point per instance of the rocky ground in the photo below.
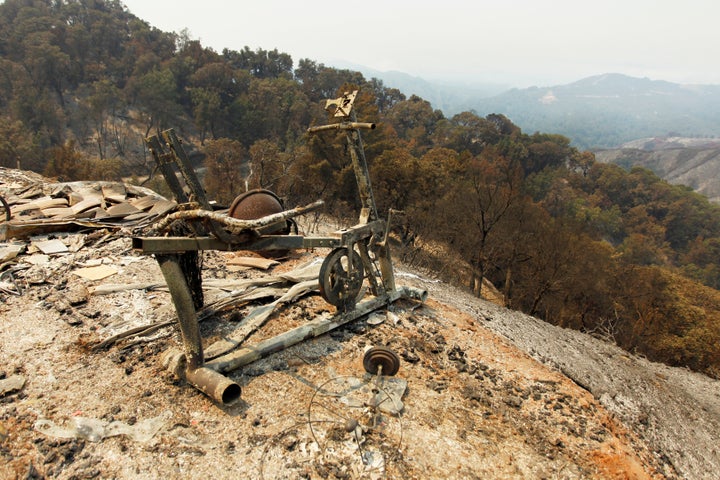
(483, 392)
(674, 410)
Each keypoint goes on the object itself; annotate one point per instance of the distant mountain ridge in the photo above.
(450, 97)
(602, 111)
(611, 109)
(668, 128)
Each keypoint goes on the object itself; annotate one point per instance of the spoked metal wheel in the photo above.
(341, 277)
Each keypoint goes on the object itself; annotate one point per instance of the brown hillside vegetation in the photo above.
(696, 166)
(683, 326)
(550, 403)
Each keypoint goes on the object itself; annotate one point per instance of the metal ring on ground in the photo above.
(376, 357)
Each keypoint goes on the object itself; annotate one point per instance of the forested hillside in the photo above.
(576, 242)
(692, 162)
(608, 110)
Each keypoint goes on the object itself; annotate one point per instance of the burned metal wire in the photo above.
(9, 274)
(363, 422)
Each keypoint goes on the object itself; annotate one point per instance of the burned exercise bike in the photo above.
(358, 253)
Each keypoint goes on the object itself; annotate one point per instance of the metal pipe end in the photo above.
(414, 293)
(215, 385)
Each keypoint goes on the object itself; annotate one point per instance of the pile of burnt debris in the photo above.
(31, 206)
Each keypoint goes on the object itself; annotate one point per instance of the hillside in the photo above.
(449, 97)
(603, 111)
(611, 109)
(87, 83)
(84, 394)
(680, 161)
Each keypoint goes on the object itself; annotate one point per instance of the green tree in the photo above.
(67, 163)
(155, 95)
(415, 122)
(547, 150)
(214, 87)
(273, 109)
(261, 63)
(18, 147)
(103, 101)
(386, 98)
(468, 132)
(40, 112)
(320, 83)
(226, 169)
(46, 63)
(268, 165)
(395, 174)
(481, 198)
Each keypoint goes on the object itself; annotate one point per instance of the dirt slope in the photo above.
(474, 403)
(674, 410)
(475, 406)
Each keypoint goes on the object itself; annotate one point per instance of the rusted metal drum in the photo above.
(260, 203)
(256, 204)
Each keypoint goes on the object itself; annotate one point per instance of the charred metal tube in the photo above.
(314, 328)
(216, 386)
(412, 293)
(343, 126)
(184, 306)
(213, 384)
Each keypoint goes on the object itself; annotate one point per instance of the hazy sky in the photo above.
(522, 42)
